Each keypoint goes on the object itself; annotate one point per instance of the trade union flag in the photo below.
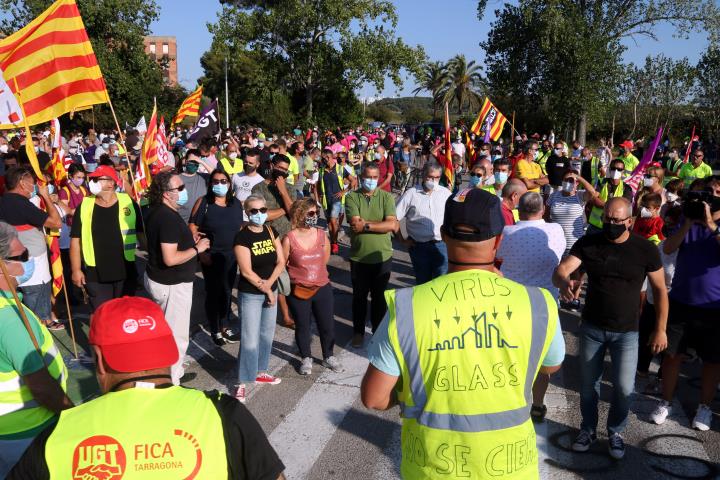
(491, 119)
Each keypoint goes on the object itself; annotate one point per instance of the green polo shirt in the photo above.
(688, 173)
(370, 247)
(630, 162)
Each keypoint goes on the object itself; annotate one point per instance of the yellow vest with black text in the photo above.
(321, 184)
(126, 219)
(229, 169)
(596, 213)
(167, 433)
(469, 345)
(19, 411)
(542, 160)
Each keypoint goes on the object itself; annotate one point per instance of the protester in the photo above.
(134, 349)
(195, 184)
(372, 217)
(654, 182)
(385, 166)
(566, 207)
(617, 263)
(422, 207)
(172, 259)
(230, 163)
(334, 183)
(259, 255)
(612, 187)
(33, 378)
(629, 160)
(695, 169)
(648, 223)
(218, 217)
(495, 412)
(511, 193)
(501, 169)
(71, 196)
(307, 250)
(29, 220)
(557, 164)
(528, 171)
(244, 182)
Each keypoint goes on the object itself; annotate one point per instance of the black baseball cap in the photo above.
(478, 212)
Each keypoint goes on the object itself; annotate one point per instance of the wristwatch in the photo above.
(366, 227)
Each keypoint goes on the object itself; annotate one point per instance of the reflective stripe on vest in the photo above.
(465, 423)
(167, 433)
(596, 213)
(126, 219)
(229, 169)
(338, 172)
(20, 412)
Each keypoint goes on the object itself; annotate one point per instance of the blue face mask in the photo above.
(182, 198)
(51, 189)
(501, 177)
(28, 270)
(34, 192)
(258, 218)
(369, 184)
(474, 181)
(220, 190)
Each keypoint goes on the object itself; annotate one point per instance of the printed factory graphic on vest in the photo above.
(487, 334)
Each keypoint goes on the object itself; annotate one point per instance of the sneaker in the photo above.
(306, 366)
(583, 441)
(230, 337)
(54, 325)
(268, 379)
(616, 446)
(218, 339)
(537, 413)
(703, 418)
(357, 340)
(188, 377)
(334, 248)
(333, 364)
(661, 412)
(240, 393)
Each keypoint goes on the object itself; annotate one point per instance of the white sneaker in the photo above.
(333, 364)
(661, 412)
(306, 366)
(703, 418)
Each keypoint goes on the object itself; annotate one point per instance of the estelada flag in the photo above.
(190, 107)
(490, 118)
(446, 158)
(53, 65)
(57, 167)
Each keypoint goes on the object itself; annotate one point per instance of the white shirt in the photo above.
(459, 148)
(243, 184)
(530, 251)
(423, 212)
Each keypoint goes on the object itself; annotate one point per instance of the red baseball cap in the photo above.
(133, 335)
(627, 144)
(105, 171)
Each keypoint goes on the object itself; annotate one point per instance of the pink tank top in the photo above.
(307, 266)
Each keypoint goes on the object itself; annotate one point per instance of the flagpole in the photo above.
(21, 310)
(70, 319)
(227, 101)
(28, 137)
(512, 148)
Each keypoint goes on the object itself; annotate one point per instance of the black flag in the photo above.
(207, 125)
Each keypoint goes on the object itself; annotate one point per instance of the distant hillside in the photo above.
(403, 109)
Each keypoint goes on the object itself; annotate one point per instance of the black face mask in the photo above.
(277, 174)
(715, 204)
(613, 231)
(249, 168)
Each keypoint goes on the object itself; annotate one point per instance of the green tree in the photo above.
(416, 115)
(463, 83)
(380, 113)
(432, 79)
(706, 92)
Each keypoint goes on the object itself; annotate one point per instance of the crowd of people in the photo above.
(263, 213)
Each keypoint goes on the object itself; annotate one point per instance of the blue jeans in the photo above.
(256, 337)
(623, 347)
(37, 299)
(429, 260)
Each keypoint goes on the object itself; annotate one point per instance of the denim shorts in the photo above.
(335, 210)
(37, 299)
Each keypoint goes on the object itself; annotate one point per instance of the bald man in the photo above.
(617, 262)
(511, 193)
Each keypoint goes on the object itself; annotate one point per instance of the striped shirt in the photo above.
(569, 213)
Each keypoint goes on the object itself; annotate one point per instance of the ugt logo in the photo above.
(98, 458)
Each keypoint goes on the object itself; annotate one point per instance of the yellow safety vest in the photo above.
(229, 169)
(166, 433)
(321, 184)
(596, 212)
(542, 160)
(126, 219)
(469, 345)
(19, 411)
(595, 170)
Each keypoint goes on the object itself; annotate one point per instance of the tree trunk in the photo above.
(309, 98)
(582, 128)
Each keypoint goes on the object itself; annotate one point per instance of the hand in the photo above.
(658, 342)
(202, 245)
(358, 226)
(339, 194)
(708, 220)
(281, 184)
(569, 291)
(43, 189)
(271, 297)
(78, 278)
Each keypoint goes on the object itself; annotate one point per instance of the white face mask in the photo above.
(429, 185)
(558, 151)
(645, 213)
(614, 174)
(232, 155)
(672, 197)
(648, 182)
(4, 148)
(568, 186)
(95, 187)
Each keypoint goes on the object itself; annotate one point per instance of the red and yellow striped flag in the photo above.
(489, 117)
(52, 64)
(190, 107)
(148, 156)
(446, 158)
(56, 268)
(57, 167)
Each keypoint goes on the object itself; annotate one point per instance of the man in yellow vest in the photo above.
(229, 162)
(611, 187)
(629, 160)
(460, 353)
(106, 228)
(143, 426)
(32, 378)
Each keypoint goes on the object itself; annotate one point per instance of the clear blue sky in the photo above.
(420, 22)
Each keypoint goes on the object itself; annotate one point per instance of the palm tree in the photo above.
(433, 80)
(463, 82)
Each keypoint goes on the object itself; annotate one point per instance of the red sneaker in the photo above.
(268, 379)
(334, 248)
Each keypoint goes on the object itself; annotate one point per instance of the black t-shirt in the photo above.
(262, 255)
(220, 224)
(17, 209)
(165, 225)
(555, 168)
(110, 263)
(43, 158)
(615, 276)
(249, 453)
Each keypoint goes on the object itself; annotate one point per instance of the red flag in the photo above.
(163, 156)
(148, 157)
(58, 166)
(689, 147)
(446, 159)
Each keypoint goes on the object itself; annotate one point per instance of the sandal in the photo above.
(54, 325)
(537, 413)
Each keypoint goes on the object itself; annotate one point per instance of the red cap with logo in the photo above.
(105, 171)
(627, 144)
(133, 335)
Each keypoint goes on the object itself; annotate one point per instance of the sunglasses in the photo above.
(97, 179)
(617, 169)
(697, 156)
(311, 213)
(219, 181)
(255, 211)
(179, 189)
(23, 257)
(476, 175)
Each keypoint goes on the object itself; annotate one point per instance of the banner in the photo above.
(636, 177)
(446, 159)
(51, 65)
(492, 119)
(163, 156)
(207, 125)
(189, 107)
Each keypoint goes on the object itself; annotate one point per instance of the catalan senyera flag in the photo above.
(190, 106)
(470, 148)
(491, 118)
(446, 158)
(148, 156)
(56, 267)
(58, 167)
(50, 66)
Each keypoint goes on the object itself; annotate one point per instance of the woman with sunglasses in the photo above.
(307, 249)
(259, 255)
(218, 215)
